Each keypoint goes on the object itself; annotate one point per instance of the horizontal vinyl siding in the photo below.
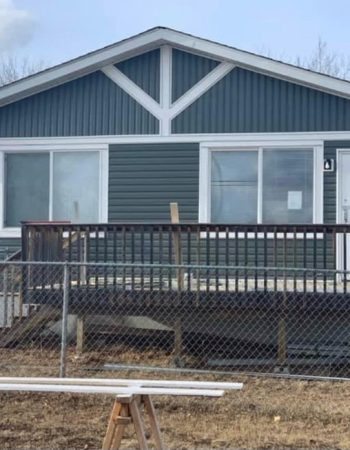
(8, 246)
(91, 105)
(144, 70)
(245, 101)
(187, 70)
(144, 179)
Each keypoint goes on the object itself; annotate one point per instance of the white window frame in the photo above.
(102, 149)
(205, 170)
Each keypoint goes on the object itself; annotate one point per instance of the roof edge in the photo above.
(155, 37)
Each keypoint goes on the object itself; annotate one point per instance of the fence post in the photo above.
(64, 321)
(282, 366)
(175, 219)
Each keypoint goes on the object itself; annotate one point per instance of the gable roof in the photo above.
(155, 37)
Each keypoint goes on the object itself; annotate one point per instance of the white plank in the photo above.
(124, 382)
(133, 90)
(79, 389)
(200, 88)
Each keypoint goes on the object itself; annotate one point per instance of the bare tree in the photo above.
(322, 59)
(13, 68)
(326, 61)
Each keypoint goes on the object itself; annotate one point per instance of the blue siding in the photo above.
(144, 70)
(245, 101)
(8, 246)
(91, 105)
(187, 70)
(144, 179)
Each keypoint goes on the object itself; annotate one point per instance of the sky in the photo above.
(57, 30)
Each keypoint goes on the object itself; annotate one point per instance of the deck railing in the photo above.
(312, 246)
(315, 247)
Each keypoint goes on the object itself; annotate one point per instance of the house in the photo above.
(117, 134)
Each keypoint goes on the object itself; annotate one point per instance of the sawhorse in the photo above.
(127, 410)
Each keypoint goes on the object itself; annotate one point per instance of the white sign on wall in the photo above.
(295, 199)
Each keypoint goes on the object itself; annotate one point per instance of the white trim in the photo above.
(15, 232)
(259, 63)
(133, 90)
(339, 252)
(58, 142)
(165, 111)
(2, 189)
(204, 185)
(260, 185)
(318, 199)
(51, 176)
(81, 66)
(165, 76)
(104, 178)
(154, 38)
(339, 174)
(200, 88)
(204, 215)
(165, 88)
(339, 195)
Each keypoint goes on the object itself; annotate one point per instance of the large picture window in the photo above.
(56, 185)
(260, 185)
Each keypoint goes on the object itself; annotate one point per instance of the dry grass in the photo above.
(268, 413)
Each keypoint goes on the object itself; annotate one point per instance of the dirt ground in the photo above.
(267, 413)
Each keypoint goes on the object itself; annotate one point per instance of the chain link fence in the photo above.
(70, 318)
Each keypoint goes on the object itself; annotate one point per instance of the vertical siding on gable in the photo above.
(144, 70)
(249, 102)
(144, 179)
(91, 105)
(187, 70)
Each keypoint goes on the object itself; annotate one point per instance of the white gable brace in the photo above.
(200, 88)
(165, 111)
(133, 90)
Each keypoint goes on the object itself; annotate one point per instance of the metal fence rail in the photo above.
(71, 317)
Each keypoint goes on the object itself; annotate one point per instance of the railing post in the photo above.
(175, 219)
(64, 321)
(83, 259)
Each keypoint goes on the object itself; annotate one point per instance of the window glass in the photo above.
(26, 187)
(288, 186)
(234, 186)
(76, 186)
